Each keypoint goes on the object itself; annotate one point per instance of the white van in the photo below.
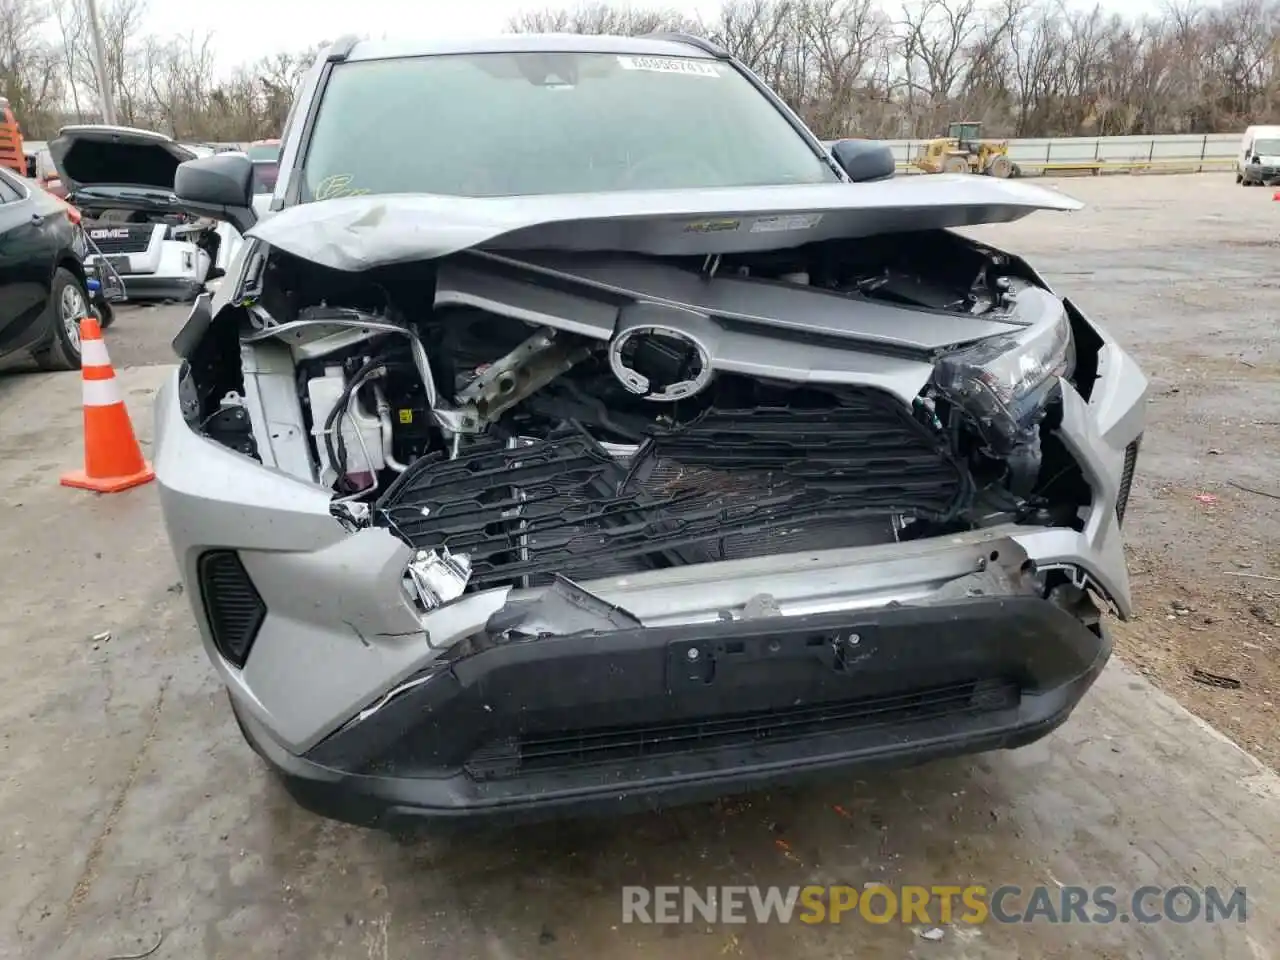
(1259, 159)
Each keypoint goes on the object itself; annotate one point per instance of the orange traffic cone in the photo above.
(1276, 195)
(112, 459)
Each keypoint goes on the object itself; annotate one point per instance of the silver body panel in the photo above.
(356, 233)
(340, 631)
(762, 310)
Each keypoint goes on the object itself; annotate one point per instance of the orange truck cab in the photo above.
(11, 152)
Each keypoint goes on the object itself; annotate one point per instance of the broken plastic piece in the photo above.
(439, 577)
(561, 608)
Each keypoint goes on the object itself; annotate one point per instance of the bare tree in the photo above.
(1035, 48)
(600, 18)
(125, 66)
(843, 37)
(936, 34)
(849, 67)
(29, 74)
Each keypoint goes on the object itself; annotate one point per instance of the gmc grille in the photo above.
(131, 238)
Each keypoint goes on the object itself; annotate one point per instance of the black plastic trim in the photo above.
(693, 40)
(220, 574)
(342, 47)
(1126, 477)
(375, 772)
(142, 287)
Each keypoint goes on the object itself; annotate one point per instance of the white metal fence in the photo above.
(1175, 152)
(1214, 151)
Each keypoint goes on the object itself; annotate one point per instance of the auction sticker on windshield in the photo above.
(693, 68)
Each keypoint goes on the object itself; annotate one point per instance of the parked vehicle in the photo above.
(43, 291)
(668, 455)
(122, 180)
(45, 173)
(1259, 158)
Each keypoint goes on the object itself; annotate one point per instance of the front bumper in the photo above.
(144, 287)
(166, 270)
(341, 645)
(574, 725)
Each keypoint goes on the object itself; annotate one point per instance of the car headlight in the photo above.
(1004, 382)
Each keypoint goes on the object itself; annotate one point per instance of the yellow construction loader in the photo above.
(963, 150)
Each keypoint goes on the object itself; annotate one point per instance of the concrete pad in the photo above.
(131, 809)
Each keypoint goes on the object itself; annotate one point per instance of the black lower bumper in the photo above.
(140, 286)
(633, 719)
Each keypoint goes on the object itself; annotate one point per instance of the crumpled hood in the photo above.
(93, 155)
(355, 233)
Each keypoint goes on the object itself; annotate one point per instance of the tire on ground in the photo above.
(1000, 166)
(60, 353)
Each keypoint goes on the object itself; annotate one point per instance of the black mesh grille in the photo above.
(558, 751)
(122, 238)
(1126, 477)
(231, 603)
(732, 483)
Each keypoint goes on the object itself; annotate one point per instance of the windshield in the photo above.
(511, 124)
(1266, 148)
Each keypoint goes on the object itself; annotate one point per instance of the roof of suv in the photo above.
(530, 42)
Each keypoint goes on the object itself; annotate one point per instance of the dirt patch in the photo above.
(1189, 632)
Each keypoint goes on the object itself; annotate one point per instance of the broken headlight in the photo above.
(1004, 382)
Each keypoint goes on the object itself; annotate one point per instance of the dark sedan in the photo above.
(43, 288)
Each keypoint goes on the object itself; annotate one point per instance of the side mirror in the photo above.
(865, 160)
(219, 186)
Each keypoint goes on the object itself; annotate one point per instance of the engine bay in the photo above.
(553, 416)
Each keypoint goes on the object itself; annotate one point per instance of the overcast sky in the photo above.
(244, 30)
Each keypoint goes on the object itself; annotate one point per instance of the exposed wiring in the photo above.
(417, 350)
(1261, 493)
(339, 408)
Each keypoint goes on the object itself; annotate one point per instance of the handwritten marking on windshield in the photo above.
(338, 185)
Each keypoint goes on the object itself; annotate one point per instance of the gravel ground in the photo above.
(1183, 271)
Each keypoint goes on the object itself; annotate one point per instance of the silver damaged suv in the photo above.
(575, 430)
